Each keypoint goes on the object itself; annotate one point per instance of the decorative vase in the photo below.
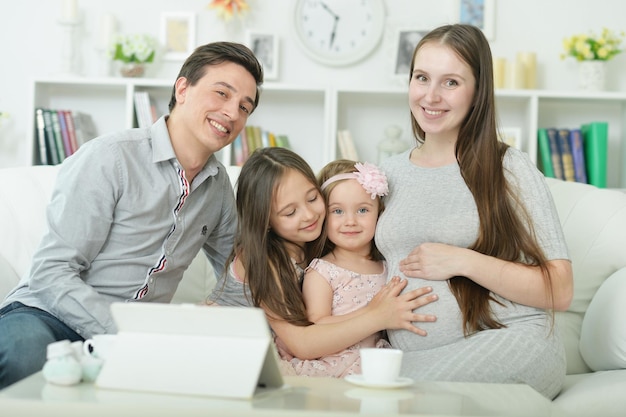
(591, 75)
(132, 69)
(392, 144)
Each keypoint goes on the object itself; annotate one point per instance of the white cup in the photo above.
(100, 345)
(380, 365)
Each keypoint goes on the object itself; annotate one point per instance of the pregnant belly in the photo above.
(445, 330)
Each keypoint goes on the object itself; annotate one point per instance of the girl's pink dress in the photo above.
(351, 291)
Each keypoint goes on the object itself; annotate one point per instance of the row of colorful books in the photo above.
(253, 137)
(59, 133)
(575, 154)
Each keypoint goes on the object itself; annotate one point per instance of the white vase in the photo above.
(591, 75)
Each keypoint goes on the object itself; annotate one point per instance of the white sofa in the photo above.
(594, 222)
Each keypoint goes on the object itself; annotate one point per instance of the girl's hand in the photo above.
(395, 310)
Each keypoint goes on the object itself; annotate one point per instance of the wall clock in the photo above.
(338, 32)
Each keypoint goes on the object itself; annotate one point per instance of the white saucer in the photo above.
(360, 381)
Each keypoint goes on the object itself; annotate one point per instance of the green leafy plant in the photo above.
(590, 47)
(139, 48)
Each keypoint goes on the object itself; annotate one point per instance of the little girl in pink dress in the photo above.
(351, 271)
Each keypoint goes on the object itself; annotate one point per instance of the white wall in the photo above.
(31, 43)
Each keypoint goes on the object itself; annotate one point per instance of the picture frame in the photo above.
(481, 13)
(405, 42)
(512, 136)
(178, 35)
(265, 48)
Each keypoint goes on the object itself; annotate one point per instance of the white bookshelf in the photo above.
(311, 115)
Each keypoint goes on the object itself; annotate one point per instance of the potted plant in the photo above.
(134, 52)
(592, 51)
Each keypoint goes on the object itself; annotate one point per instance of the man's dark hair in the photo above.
(215, 53)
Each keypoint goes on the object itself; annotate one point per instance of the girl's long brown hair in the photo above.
(270, 273)
(504, 232)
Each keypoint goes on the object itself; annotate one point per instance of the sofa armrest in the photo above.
(603, 333)
(593, 220)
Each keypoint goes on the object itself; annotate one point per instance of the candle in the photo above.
(499, 70)
(514, 77)
(528, 61)
(108, 28)
(70, 10)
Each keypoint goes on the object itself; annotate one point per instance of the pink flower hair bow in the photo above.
(373, 180)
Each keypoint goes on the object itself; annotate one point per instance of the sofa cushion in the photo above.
(603, 332)
(595, 394)
(197, 283)
(24, 194)
(8, 277)
(568, 324)
(594, 221)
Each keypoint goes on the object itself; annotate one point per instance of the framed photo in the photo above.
(479, 13)
(265, 47)
(406, 41)
(178, 35)
(512, 136)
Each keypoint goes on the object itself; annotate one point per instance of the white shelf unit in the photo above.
(367, 112)
(299, 112)
(311, 115)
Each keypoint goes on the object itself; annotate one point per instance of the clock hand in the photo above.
(329, 10)
(334, 32)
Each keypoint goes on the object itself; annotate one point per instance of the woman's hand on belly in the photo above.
(434, 261)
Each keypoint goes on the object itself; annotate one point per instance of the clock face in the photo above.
(339, 32)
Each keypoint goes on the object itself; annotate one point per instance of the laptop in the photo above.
(191, 349)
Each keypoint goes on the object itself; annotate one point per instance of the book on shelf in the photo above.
(71, 131)
(578, 155)
(244, 145)
(272, 138)
(347, 149)
(58, 135)
(283, 141)
(143, 109)
(67, 146)
(42, 146)
(84, 127)
(555, 153)
(545, 156)
(265, 139)
(595, 144)
(567, 159)
(237, 150)
(251, 139)
(51, 142)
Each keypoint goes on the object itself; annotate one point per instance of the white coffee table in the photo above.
(300, 397)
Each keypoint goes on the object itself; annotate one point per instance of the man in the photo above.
(131, 210)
